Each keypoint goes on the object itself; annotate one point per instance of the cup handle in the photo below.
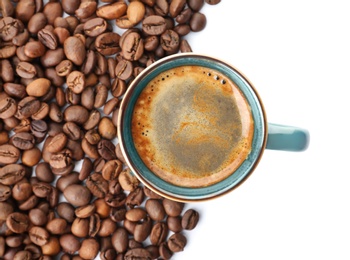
(287, 138)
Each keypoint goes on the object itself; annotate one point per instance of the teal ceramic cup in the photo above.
(265, 135)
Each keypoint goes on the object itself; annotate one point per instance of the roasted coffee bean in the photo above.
(115, 200)
(17, 222)
(23, 254)
(174, 224)
(76, 81)
(23, 141)
(93, 137)
(29, 203)
(182, 30)
(77, 195)
(155, 209)
(107, 228)
(94, 225)
(66, 211)
(97, 185)
(142, 230)
(112, 11)
(89, 248)
(176, 7)
(57, 226)
(138, 253)
(5, 192)
(95, 27)
(27, 107)
(7, 71)
(48, 38)
(57, 143)
(8, 107)
(69, 243)
(37, 217)
(132, 48)
(120, 240)
(135, 214)
(43, 172)
(34, 49)
(135, 198)
(107, 130)
(86, 9)
(26, 70)
(100, 96)
(164, 251)
(38, 128)
(61, 160)
(92, 120)
(184, 16)
(195, 5)
(151, 43)
(86, 169)
(106, 149)
(124, 69)
(11, 173)
(115, 187)
(7, 10)
(42, 189)
(72, 131)
(112, 169)
(85, 211)
(198, 22)
(14, 90)
(128, 181)
(39, 87)
(21, 191)
(14, 240)
(6, 210)
(108, 43)
(190, 219)
(170, 41)
(110, 106)
(77, 114)
(177, 242)
(52, 248)
(159, 233)
(161, 7)
(74, 50)
(135, 12)
(118, 214)
(154, 25)
(64, 181)
(64, 68)
(39, 235)
(172, 208)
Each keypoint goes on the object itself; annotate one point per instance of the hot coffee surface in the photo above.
(192, 126)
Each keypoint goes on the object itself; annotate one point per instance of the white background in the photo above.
(295, 205)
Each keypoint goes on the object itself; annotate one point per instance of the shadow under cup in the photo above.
(151, 180)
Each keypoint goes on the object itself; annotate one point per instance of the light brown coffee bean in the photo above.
(128, 181)
(17, 222)
(112, 11)
(135, 12)
(77, 195)
(39, 235)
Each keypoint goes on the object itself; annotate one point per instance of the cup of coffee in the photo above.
(192, 127)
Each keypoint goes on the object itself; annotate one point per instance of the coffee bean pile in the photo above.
(63, 72)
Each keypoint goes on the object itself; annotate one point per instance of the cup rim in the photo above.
(131, 164)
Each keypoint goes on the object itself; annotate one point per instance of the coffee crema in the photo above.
(192, 126)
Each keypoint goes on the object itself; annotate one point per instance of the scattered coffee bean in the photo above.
(60, 61)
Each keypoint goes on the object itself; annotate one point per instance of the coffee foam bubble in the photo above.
(192, 126)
